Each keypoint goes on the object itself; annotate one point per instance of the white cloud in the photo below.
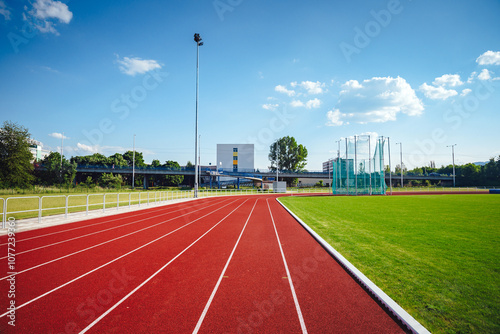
(437, 93)
(450, 80)
(4, 11)
(270, 106)
(297, 103)
(354, 84)
(316, 103)
(87, 148)
(44, 12)
(311, 87)
(375, 100)
(133, 66)
(283, 89)
(465, 92)
(489, 58)
(335, 118)
(58, 135)
(471, 77)
(484, 75)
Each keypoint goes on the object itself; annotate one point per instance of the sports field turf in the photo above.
(437, 256)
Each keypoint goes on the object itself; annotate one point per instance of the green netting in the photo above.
(360, 168)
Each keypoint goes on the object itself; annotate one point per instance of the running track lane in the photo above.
(230, 266)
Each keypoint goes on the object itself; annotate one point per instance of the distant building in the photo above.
(36, 148)
(328, 166)
(236, 157)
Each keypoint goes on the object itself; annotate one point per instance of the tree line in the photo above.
(17, 165)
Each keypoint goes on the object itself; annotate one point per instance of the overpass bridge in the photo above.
(254, 174)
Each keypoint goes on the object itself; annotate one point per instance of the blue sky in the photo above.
(424, 73)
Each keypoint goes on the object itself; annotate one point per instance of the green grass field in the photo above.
(437, 256)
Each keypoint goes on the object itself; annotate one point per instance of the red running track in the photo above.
(217, 265)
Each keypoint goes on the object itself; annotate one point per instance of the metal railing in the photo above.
(22, 207)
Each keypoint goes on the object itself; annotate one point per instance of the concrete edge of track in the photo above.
(407, 320)
(48, 221)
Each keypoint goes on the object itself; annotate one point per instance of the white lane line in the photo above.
(156, 273)
(102, 243)
(114, 260)
(295, 300)
(207, 306)
(86, 235)
(103, 222)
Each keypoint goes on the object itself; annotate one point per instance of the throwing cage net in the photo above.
(359, 166)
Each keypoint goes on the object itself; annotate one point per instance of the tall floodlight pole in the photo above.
(337, 172)
(277, 159)
(390, 168)
(62, 146)
(133, 165)
(453, 159)
(199, 43)
(355, 166)
(401, 155)
(199, 158)
(347, 164)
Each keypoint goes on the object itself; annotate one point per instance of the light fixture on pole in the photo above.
(199, 43)
(453, 159)
(401, 155)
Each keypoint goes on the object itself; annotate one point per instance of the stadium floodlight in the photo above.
(453, 159)
(197, 39)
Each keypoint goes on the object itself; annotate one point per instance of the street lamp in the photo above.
(401, 154)
(453, 159)
(199, 43)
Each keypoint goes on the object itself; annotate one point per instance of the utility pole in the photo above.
(133, 166)
(453, 159)
(401, 154)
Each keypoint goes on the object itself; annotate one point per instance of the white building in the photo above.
(236, 157)
(36, 148)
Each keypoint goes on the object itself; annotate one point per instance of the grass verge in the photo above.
(437, 256)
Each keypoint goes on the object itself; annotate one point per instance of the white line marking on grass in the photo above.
(114, 260)
(103, 243)
(156, 273)
(295, 299)
(209, 302)
(103, 222)
(86, 235)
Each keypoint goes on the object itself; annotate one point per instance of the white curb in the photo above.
(387, 301)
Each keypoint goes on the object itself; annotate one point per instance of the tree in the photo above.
(155, 163)
(173, 180)
(139, 159)
(53, 173)
(16, 169)
(117, 160)
(110, 180)
(286, 154)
